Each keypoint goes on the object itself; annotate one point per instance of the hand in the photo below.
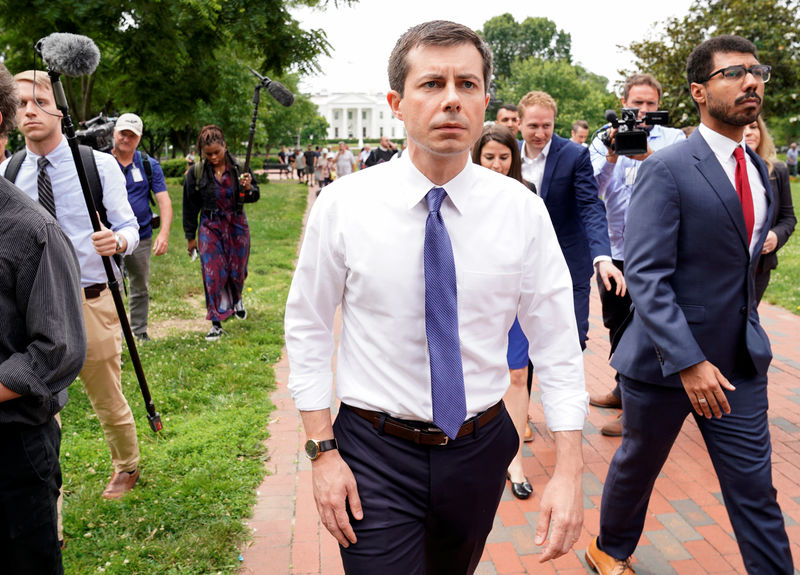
(704, 383)
(643, 157)
(333, 483)
(104, 242)
(161, 244)
(611, 155)
(562, 503)
(607, 271)
(191, 245)
(245, 181)
(771, 243)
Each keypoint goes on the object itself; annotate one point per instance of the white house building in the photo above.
(358, 116)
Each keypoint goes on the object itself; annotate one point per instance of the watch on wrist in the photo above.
(119, 242)
(315, 447)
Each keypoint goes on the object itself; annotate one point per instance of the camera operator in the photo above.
(615, 175)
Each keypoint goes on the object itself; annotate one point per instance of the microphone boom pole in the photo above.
(153, 417)
(279, 92)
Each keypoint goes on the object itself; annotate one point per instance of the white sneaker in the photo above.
(214, 333)
(239, 311)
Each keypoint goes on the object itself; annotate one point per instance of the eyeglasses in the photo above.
(760, 72)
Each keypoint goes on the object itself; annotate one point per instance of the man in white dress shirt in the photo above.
(398, 493)
(40, 122)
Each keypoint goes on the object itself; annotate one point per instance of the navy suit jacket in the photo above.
(570, 193)
(689, 271)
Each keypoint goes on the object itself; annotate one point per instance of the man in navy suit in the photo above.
(698, 217)
(562, 174)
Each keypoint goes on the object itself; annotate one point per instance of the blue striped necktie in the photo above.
(441, 321)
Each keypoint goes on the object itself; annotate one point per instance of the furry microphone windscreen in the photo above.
(69, 54)
(281, 93)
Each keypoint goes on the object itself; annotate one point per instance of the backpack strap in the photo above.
(197, 172)
(12, 169)
(148, 172)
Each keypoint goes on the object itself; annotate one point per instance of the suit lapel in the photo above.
(550, 164)
(710, 168)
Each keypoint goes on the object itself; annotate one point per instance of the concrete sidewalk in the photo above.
(686, 531)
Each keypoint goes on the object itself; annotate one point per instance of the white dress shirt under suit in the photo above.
(363, 249)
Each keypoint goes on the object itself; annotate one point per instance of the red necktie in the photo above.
(743, 189)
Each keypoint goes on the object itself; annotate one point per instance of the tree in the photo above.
(171, 60)
(510, 40)
(770, 24)
(580, 95)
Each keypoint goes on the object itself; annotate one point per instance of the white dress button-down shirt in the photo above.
(363, 249)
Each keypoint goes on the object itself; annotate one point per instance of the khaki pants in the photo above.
(101, 380)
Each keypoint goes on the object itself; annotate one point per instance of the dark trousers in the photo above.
(580, 300)
(30, 477)
(615, 308)
(427, 510)
(740, 449)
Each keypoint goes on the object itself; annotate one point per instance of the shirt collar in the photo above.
(418, 185)
(542, 155)
(60, 153)
(722, 146)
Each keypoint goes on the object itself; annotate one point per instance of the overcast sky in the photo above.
(362, 36)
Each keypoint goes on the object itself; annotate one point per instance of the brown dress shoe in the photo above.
(120, 484)
(613, 428)
(608, 400)
(605, 564)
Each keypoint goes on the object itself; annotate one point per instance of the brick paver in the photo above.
(686, 531)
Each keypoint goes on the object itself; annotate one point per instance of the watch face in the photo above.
(312, 449)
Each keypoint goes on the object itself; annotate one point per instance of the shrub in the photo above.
(174, 168)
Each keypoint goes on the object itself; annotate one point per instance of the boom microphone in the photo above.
(280, 92)
(69, 54)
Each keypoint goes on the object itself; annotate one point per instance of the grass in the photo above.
(198, 476)
(784, 283)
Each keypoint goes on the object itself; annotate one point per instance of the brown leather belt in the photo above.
(94, 290)
(427, 435)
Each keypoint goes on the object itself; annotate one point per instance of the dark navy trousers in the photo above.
(427, 509)
(740, 449)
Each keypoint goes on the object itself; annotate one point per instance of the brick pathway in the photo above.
(687, 530)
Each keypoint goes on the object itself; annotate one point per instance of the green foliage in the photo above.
(174, 168)
(198, 476)
(511, 40)
(770, 24)
(580, 95)
(179, 64)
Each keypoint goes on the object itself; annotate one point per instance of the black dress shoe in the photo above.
(521, 490)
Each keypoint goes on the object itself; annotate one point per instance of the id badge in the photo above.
(137, 174)
(630, 175)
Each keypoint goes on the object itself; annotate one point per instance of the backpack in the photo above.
(92, 176)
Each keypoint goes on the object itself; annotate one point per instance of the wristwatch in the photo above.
(315, 447)
(119, 242)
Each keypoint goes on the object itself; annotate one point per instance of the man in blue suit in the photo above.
(562, 175)
(698, 217)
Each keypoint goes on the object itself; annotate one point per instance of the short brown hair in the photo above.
(532, 99)
(580, 124)
(9, 102)
(641, 80)
(435, 33)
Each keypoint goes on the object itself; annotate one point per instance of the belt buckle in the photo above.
(445, 441)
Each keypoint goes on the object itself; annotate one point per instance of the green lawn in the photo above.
(784, 283)
(198, 476)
